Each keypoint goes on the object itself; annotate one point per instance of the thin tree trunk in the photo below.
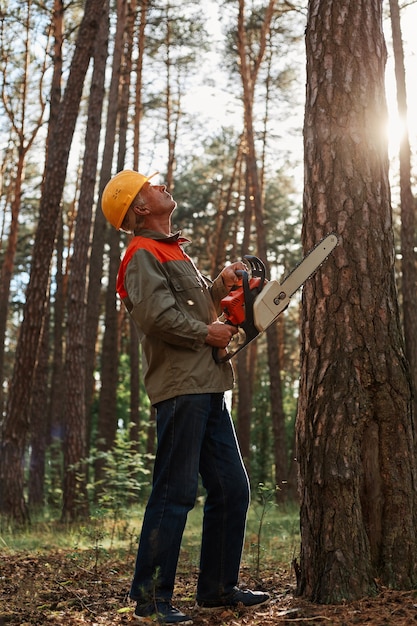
(245, 369)
(248, 82)
(408, 208)
(134, 362)
(138, 87)
(107, 416)
(38, 428)
(135, 351)
(75, 501)
(107, 411)
(101, 229)
(56, 417)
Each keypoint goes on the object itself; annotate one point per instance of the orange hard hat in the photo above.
(119, 194)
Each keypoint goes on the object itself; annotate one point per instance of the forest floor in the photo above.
(64, 587)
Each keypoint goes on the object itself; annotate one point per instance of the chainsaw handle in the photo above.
(222, 355)
(247, 330)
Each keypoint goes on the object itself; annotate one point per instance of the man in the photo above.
(175, 309)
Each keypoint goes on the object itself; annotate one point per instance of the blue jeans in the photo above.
(195, 436)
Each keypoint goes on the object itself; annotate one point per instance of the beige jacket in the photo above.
(171, 303)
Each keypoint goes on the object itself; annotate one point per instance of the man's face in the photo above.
(157, 198)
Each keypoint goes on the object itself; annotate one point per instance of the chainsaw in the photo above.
(257, 303)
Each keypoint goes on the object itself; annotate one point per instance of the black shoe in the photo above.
(238, 597)
(160, 612)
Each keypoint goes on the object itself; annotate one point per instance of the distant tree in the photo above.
(408, 207)
(134, 350)
(15, 425)
(356, 443)
(107, 419)
(252, 36)
(175, 42)
(57, 381)
(138, 108)
(39, 424)
(101, 229)
(22, 75)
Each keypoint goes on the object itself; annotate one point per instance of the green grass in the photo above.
(277, 542)
(272, 536)
(279, 537)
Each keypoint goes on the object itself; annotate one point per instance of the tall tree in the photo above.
(107, 411)
(250, 59)
(100, 229)
(15, 425)
(134, 350)
(355, 434)
(141, 42)
(408, 207)
(58, 304)
(75, 503)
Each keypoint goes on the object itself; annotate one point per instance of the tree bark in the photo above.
(355, 439)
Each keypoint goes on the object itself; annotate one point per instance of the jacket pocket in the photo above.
(185, 283)
(193, 297)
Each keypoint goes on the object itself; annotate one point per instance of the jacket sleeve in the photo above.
(218, 291)
(155, 309)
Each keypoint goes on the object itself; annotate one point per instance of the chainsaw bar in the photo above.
(275, 297)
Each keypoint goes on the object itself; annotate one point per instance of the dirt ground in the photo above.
(63, 588)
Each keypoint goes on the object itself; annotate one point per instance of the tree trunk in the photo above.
(101, 228)
(56, 418)
(134, 349)
(134, 362)
(355, 437)
(245, 368)
(107, 415)
(138, 86)
(107, 412)
(277, 415)
(249, 75)
(408, 208)
(38, 427)
(76, 503)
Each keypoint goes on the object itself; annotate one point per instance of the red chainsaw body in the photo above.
(233, 305)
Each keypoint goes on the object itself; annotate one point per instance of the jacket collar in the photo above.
(153, 234)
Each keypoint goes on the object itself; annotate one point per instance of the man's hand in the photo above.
(231, 274)
(219, 334)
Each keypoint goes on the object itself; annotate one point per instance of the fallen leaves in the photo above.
(57, 588)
